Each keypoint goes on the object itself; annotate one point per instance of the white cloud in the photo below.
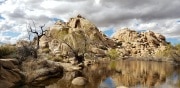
(158, 15)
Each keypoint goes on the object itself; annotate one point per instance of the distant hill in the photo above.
(1, 43)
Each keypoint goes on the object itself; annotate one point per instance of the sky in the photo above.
(160, 16)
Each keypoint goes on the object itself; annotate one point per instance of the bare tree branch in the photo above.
(78, 50)
(33, 30)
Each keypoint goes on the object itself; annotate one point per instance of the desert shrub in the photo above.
(45, 50)
(54, 58)
(169, 52)
(24, 52)
(177, 48)
(6, 50)
(113, 54)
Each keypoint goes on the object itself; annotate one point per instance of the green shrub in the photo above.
(178, 48)
(45, 50)
(113, 65)
(169, 52)
(113, 54)
(6, 50)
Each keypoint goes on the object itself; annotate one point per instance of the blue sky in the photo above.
(173, 41)
(11, 33)
(160, 16)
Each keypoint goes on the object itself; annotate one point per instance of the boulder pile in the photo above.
(139, 44)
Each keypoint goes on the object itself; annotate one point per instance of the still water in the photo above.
(123, 74)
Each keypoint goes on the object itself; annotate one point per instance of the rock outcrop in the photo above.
(82, 36)
(10, 74)
(139, 44)
(79, 33)
(37, 71)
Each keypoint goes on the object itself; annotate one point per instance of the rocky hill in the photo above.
(79, 34)
(140, 44)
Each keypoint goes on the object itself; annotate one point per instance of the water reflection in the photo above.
(95, 75)
(145, 74)
(107, 83)
(130, 74)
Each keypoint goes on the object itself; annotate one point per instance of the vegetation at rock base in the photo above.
(177, 47)
(113, 54)
(170, 53)
(6, 50)
(45, 50)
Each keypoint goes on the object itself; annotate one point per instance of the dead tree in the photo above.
(38, 35)
(80, 50)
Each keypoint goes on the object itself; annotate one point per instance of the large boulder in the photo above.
(79, 81)
(126, 35)
(44, 42)
(91, 31)
(98, 51)
(36, 71)
(10, 75)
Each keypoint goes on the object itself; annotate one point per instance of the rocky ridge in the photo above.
(139, 44)
(85, 35)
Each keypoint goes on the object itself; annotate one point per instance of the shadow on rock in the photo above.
(38, 71)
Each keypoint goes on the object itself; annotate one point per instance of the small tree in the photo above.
(113, 54)
(78, 44)
(38, 34)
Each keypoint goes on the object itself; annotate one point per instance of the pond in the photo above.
(121, 74)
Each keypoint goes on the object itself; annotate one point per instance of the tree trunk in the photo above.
(37, 46)
(79, 58)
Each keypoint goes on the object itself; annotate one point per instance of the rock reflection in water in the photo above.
(95, 74)
(142, 73)
(133, 74)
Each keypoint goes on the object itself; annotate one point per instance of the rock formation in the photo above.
(83, 36)
(80, 81)
(37, 71)
(10, 74)
(80, 33)
(139, 44)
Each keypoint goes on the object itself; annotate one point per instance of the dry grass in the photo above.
(45, 50)
(55, 58)
(177, 47)
(6, 50)
(171, 52)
